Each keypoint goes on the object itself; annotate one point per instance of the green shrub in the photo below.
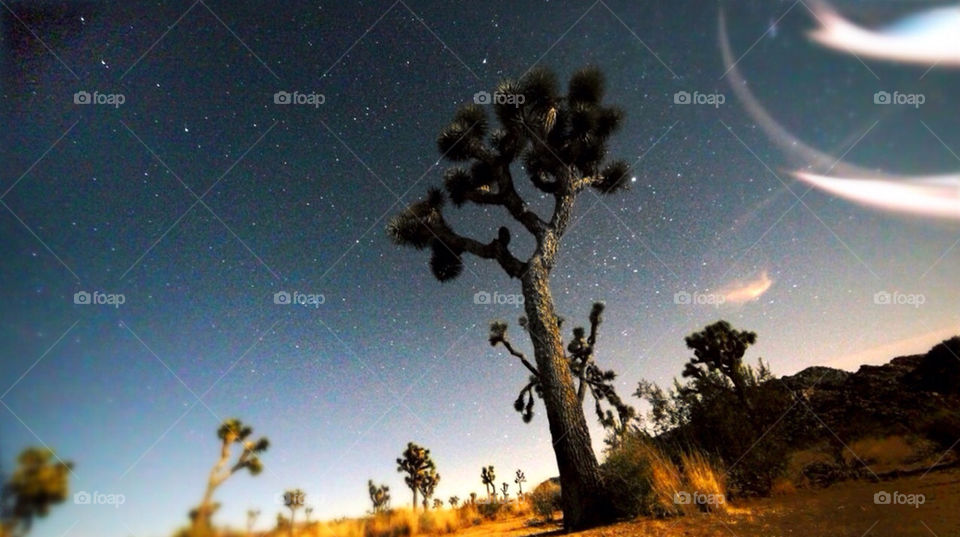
(545, 499)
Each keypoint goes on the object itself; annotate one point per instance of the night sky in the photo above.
(198, 198)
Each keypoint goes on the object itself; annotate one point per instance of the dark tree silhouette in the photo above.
(428, 485)
(520, 479)
(231, 431)
(39, 481)
(306, 514)
(379, 497)
(454, 501)
(719, 347)
(437, 503)
(583, 368)
(562, 142)
(473, 497)
(487, 475)
(504, 487)
(294, 500)
(419, 467)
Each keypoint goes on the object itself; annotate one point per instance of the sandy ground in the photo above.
(843, 510)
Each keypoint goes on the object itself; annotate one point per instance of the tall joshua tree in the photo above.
(379, 496)
(561, 141)
(294, 500)
(488, 476)
(419, 467)
(520, 479)
(39, 481)
(231, 431)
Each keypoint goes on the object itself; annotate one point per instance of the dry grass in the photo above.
(888, 452)
(704, 480)
(666, 480)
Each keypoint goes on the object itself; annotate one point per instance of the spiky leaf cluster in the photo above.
(234, 431)
(379, 496)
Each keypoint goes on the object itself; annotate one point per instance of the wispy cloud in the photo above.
(740, 292)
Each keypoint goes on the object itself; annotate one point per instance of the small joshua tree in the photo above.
(504, 488)
(473, 497)
(719, 347)
(231, 431)
(427, 486)
(454, 501)
(583, 368)
(437, 503)
(420, 470)
(488, 476)
(306, 513)
(520, 479)
(39, 481)
(294, 500)
(252, 515)
(379, 496)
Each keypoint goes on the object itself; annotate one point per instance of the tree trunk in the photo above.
(583, 498)
(414, 500)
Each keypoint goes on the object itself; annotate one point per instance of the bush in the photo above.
(704, 481)
(943, 428)
(628, 476)
(545, 499)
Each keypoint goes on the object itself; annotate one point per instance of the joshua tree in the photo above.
(582, 367)
(252, 515)
(39, 481)
(488, 477)
(520, 479)
(420, 469)
(379, 496)
(473, 497)
(454, 501)
(427, 485)
(719, 347)
(504, 488)
(230, 432)
(293, 499)
(306, 513)
(562, 142)
(437, 503)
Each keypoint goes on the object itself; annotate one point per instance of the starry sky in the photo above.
(198, 198)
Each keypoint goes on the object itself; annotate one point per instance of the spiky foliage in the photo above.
(231, 431)
(503, 488)
(720, 348)
(454, 501)
(420, 469)
(39, 481)
(583, 368)
(437, 503)
(293, 500)
(488, 476)
(428, 485)
(561, 142)
(520, 479)
(379, 496)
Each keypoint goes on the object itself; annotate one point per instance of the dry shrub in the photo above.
(782, 487)
(545, 499)
(704, 481)
(888, 451)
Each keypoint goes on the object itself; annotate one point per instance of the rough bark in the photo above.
(580, 480)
